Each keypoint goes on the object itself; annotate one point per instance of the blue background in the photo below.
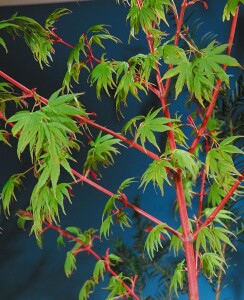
(30, 273)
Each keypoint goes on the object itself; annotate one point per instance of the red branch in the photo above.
(87, 248)
(220, 206)
(127, 203)
(92, 123)
(209, 111)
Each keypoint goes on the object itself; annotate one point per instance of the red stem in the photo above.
(85, 120)
(220, 206)
(85, 179)
(87, 248)
(201, 131)
(187, 239)
(135, 208)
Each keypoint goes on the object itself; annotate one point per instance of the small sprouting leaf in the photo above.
(98, 271)
(126, 183)
(8, 191)
(105, 228)
(154, 239)
(114, 259)
(54, 16)
(74, 230)
(60, 241)
(230, 9)
(178, 277)
(70, 264)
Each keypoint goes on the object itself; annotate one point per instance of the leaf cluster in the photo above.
(101, 153)
(200, 70)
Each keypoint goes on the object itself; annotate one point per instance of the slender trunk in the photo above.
(187, 240)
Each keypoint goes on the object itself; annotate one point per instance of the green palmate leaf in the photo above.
(102, 75)
(87, 289)
(3, 134)
(3, 44)
(176, 244)
(70, 264)
(186, 162)
(216, 194)
(200, 71)
(150, 14)
(116, 287)
(55, 15)
(46, 203)
(114, 259)
(178, 277)
(36, 37)
(154, 239)
(126, 183)
(224, 216)
(211, 264)
(60, 241)
(219, 163)
(99, 270)
(150, 124)
(157, 174)
(102, 151)
(230, 8)
(105, 228)
(103, 34)
(8, 192)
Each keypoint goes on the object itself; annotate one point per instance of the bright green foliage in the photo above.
(7, 95)
(152, 12)
(99, 270)
(200, 73)
(102, 34)
(102, 75)
(211, 238)
(3, 134)
(110, 212)
(45, 203)
(54, 16)
(186, 162)
(8, 191)
(211, 264)
(150, 124)
(70, 264)
(178, 277)
(230, 8)
(118, 75)
(102, 151)
(223, 217)
(60, 241)
(127, 82)
(76, 63)
(87, 289)
(175, 243)
(36, 37)
(157, 174)
(216, 194)
(116, 288)
(219, 163)
(154, 239)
